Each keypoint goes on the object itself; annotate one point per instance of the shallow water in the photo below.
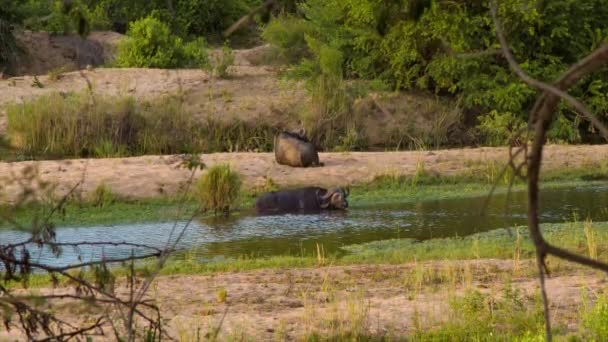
(299, 234)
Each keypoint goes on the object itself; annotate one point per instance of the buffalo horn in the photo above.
(328, 194)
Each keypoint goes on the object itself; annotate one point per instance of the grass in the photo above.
(219, 189)
(384, 189)
(496, 244)
(504, 313)
(88, 125)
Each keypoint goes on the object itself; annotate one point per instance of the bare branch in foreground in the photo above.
(541, 118)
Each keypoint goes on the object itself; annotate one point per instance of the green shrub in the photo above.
(59, 22)
(195, 53)
(499, 128)
(446, 48)
(564, 130)
(219, 189)
(78, 125)
(98, 18)
(198, 17)
(63, 17)
(286, 34)
(150, 44)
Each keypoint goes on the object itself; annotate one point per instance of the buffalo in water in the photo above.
(294, 149)
(307, 199)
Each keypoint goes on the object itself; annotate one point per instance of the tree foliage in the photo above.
(151, 44)
(185, 17)
(449, 48)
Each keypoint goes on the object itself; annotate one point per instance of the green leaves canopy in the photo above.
(449, 47)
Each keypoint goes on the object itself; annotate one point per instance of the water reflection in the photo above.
(299, 234)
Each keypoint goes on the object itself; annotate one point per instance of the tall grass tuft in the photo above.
(590, 238)
(595, 320)
(219, 189)
(83, 125)
(102, 196)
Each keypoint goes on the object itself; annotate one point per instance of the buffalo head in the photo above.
(335, 198)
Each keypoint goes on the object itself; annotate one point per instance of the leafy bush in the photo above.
(195, 53)
(150, 44)
(499, 128)
(448, 47)
(219, 189)
(286, 34)
(197, 17)
(61, 17)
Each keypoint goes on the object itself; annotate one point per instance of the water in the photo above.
(299, 234)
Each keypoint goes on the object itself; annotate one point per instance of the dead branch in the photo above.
(541, 117)
(246, 18)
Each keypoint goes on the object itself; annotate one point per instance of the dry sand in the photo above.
(287, 304)
(152, 176)
(250, 93)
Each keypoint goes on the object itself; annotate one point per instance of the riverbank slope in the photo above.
(160, 176)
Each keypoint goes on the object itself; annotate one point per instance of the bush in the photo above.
(219, 189)
(286, 34)
(414, 47)
(499, 128)
(198, 17)
(61, 17)
(195, 53)
(150, 44)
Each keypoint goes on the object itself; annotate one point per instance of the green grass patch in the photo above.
(219, 189)
(497, 244)
(105, 208)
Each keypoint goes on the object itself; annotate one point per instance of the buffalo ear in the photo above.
(346, 191)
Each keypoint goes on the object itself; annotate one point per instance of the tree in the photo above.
(542, 116)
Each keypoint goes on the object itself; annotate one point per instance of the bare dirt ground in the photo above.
(375, 299)
(249, 94)
(153, 176)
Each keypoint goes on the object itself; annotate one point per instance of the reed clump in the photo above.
(61, 125)
(219, 189)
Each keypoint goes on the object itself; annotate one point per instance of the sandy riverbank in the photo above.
(378, 299)
(152, 176)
